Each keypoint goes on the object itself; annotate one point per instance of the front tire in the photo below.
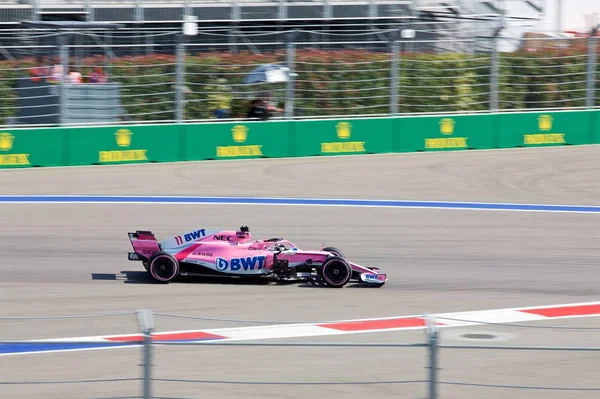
(334, 251)
(336, 272)
(337, 252)
(163, 267)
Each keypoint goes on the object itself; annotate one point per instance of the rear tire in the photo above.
(163, 267)
(336, 272)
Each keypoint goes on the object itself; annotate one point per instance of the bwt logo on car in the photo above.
(195, 235)
(237, 264)
(190, 236)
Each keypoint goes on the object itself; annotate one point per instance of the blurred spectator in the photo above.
(97, 76)
(75, 77)
(221, 113)
(272, 108)
(258, 110)
(57, 72)
(262, 107)
(40, 71)
(219, 98)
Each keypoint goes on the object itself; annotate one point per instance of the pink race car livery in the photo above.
(229, 253)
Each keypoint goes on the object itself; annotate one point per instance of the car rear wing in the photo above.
(144, 245)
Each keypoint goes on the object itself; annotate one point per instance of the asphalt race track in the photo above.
(64, 259)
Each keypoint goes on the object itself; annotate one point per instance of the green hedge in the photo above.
(9, 73)
(428, 82)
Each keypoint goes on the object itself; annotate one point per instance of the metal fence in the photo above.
(168, 77)
(162, 376)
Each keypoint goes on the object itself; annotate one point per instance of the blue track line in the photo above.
(41, 347)
(109, 199)
(15, 348)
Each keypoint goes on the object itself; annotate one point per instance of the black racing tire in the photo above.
(339, 253)
(336, 272)
(163, 267)
(334, 251)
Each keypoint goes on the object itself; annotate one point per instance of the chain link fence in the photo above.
(104, 77)
(180, 368)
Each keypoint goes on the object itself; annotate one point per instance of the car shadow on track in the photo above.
(320, 285)
(139, 277)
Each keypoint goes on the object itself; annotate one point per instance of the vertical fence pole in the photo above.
(147, 388)
(233, 28)
(282, 10)
(149, 43)
(146, 326)
(139, 12)
(494, 72)
(180, 79)
(89, 8)
(64, 61)
(289, 95)
(432, 338)
(108, 55)
(394, 77)
(35, 10)
(591, 75)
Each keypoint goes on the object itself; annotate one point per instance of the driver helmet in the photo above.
(243, 234)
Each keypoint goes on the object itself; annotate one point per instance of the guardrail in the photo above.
(431, 380)
(298, 138)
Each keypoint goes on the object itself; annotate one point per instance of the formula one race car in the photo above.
(228, 253)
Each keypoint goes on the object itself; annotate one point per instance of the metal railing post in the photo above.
(64, 62)
(139, 11)
(289, 95)
(394, 77)
(494, 72)
(282, 10)
(591, 75)
(35, 10)
(180, 79)
(146, 326)
(89, 8)
(108, 56)
(432, 338)
(232, 32)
